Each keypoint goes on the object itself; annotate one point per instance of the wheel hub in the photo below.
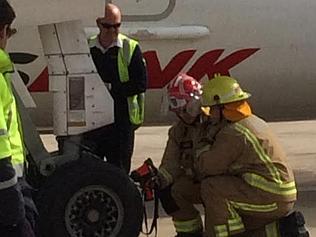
(93, 216)
(94, 211)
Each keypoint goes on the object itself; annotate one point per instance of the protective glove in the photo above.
(146, 176)
(164, 179)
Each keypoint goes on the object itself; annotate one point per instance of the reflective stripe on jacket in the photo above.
(10, 136)
(250, 150)
(188, 226)
(136, 103)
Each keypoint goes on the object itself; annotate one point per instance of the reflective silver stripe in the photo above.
(166, 175)
(19, 168)
(9, 183)
(286, 188)
(221, 231)
(188, 226)
(3, 132)
(202, 150)
(253, 207)
(263, 156)
(234, 222)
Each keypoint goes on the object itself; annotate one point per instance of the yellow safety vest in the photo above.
(136, 103)
(11, 144)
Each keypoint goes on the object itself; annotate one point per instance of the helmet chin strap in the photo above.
(220, 117)
(186, 122)
(221, 113)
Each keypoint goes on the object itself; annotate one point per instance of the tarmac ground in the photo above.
(298, 138)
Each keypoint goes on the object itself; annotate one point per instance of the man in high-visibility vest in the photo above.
(246, 183)
(16, 206)
(120, 63)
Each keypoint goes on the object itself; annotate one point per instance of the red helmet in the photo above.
(182, 90)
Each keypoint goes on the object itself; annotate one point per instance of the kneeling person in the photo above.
(246, 183)
(179, 189)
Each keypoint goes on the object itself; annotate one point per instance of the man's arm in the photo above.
(226, 148)
(97, 58)
(12, 208)
(170, 163)
(5, 147)
(7, 173)
(137, 75)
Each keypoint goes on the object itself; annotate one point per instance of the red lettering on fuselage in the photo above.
(208, 64)
(157, 77)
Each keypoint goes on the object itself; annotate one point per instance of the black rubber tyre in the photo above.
(89, 198)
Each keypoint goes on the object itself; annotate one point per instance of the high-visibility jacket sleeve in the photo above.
(8, 176)
(137, 75)
(5, 148)
(226, 148)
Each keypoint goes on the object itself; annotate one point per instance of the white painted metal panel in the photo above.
(58, 86)
(49, 39)
(159, 32)
(22, 90)
(56, 65)
(39, 12)
(81, 100)
(99, 106)
(79, 64)
(72, 37)
(142, 7)
(99, 102)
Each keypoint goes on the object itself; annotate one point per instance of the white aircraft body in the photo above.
(269, 46)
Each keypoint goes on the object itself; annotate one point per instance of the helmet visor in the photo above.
(193, 107)
(176, 104)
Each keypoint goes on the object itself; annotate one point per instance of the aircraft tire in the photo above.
(88, 198)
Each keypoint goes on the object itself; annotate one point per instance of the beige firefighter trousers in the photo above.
(229, 203)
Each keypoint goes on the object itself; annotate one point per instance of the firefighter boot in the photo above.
(183, 234)
(293, 225)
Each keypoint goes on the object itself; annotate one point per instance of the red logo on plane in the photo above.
(208, 64)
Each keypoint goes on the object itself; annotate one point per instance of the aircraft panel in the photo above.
(142, 7)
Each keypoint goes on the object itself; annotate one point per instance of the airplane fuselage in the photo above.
(267, 45)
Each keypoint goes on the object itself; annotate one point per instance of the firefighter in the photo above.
(16, 207)
(179, 189)
(246, 183)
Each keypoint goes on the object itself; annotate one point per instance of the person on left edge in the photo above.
(120, 63)
(14, 208)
